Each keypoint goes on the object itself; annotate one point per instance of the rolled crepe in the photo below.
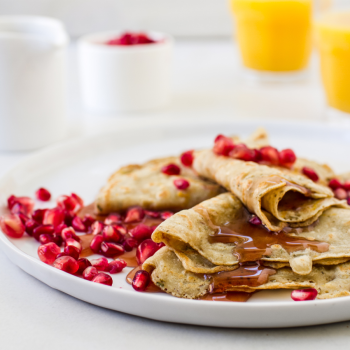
(193, 231)
(278, 198)
(145, 185)
(168, 273)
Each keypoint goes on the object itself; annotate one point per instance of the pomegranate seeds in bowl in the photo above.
(129, 39)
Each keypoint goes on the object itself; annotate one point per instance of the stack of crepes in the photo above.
(273, 228)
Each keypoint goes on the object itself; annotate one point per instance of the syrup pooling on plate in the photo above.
(249, 274)
(253, 242)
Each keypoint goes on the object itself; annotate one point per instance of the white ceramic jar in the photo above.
(33, 82)
(118, 78)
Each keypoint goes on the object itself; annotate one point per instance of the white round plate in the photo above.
(83, 165)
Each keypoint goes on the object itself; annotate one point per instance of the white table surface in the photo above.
(207, 84)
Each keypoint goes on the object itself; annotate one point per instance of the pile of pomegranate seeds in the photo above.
(128, 39)
(340, 190)
(310, 173)
(304, 294)
(58, 226)
(224, 146)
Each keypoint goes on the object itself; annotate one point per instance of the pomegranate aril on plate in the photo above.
(48, 252)
(135, 214)
(310, 173)
(254, 220)
(141, 280)
(45, 238)
(141, 232)
(304, 294)
(72, 251)
(74, 243)
(78, 224)
(111, 249)
(38, 215)
(287, 158)
(181, 184)
(66, 203)
(242, 152)
(129, 244)
(88, 220)
(340, 193)
(53, 217)
(78, 200)
(89, 273)
(103, 278)
(145, 250)
(69, 232)
(223, 145)
(346, 185)
(96, 228)
(83, 264)
(60, 228)
(12, 225)
(111, 234)
(152, 214)
(43, 229)
(68, 217)
(101, 264)
(270, 155)
(26, 204)
(334, 184)
(121, 230)
(114, 218)
(95, 244)
(42, 194)
(30, 226)
(171, 169)
(187, 158)
(56, 237)
(166, 215)
(66, 264)
(116, 266)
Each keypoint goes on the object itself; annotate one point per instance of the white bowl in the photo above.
(124, 78)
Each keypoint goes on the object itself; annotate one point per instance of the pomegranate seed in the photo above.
(340, 193)
(11, 201)
(78, 225)
(121, 229)
(69, 233)
(145, 250)
(17, 209)
(346, 185)
(111, 249)
(110, 234)
(42, 194)
(30, 226)
(96, 242)
(48, 252)
(97, 227)
(38, 215)
(113, 219)
(88, 220)
(334, 184)
(42, 229)
(78, 200)
(223, 145)
(61, 254)
(66, 203)
(101, 264)
(53, 217)
(26, 204)
(304, 294)
(129, 244)
(60, 228)
(270, 155)
(153, 228)
(166, 215)
(254, 220)
(45, 238)
(116, 266)
(152, 214)
(68, 217)
(141, 232)
(103, 278)
(56, 237)
(141, 280)
(257, 156)
(287, 158)
(181, 184)
(161, 245)
(66, 264)
(187, 158)
(71, 250)
(24, 218)
(135, 214)
(310, 173)
(171, 169)
(83, 264)
(74, 243)
(242, 152)
(89, 273)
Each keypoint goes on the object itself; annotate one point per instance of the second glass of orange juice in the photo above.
(274, 36)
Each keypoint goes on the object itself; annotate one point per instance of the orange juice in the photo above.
(274, 35)
(333, 36)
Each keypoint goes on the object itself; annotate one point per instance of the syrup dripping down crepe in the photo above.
(168, 273)
(145, 185)
(278, 198)
(217, 230)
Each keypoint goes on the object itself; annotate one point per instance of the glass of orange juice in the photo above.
(333, 41)
(274, 36)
